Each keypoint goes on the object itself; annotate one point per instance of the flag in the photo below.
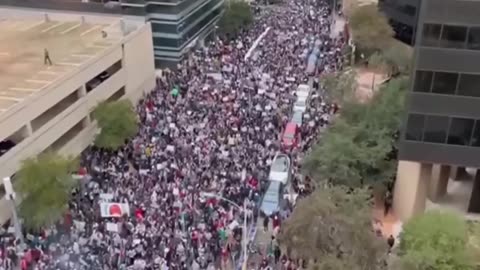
(114, 209)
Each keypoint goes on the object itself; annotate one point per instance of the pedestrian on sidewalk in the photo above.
(391, 243)
(266, 220)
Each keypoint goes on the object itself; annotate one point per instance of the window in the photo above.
(431, 34)
(469, 85)
(453, 36)
(444, 83)
(460, 131)
(476, 135)
(473, 41)
(415, 124)
(158, 27)
(435, 129)
(423, 81)
(165, 42)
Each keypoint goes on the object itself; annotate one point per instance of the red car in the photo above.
(290, 136)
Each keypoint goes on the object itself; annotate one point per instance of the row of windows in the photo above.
(451, 36)
(443, 129)
(178, 43)
(447, 83)
(159, 27)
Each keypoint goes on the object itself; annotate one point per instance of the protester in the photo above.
(213, 125)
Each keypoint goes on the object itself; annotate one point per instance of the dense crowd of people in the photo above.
(212, 125)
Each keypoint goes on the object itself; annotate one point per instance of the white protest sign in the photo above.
(80, 225)
(112, 227)
(106, 197)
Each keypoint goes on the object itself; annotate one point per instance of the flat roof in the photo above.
(22, 44)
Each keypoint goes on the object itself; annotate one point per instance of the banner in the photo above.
(114, 209)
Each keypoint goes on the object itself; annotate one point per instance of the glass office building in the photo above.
(442, 126)
(403, 17)
(175, 24)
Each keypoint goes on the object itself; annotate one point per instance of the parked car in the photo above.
(290, 136)
(280, 170)
(297, 118)
(303, 90)
(300, 104)
(272, 198)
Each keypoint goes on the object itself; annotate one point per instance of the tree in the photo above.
(435, 240)
(360, 141)
(395, 59)
(339, 86)
(236, 17)
(45, 184)
(370, 29)
(117, 121)
(332, 226)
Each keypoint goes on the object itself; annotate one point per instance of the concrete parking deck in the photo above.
(22, 45)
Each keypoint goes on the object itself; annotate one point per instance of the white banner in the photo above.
(114, 209)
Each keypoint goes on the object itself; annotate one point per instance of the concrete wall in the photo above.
(137, 76)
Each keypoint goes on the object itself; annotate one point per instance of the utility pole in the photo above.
(10, 195)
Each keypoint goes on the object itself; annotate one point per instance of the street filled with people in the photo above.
(176, 196)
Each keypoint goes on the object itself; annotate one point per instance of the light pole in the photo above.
(10, 195)
(245, 239)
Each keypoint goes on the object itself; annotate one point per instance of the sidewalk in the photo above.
(338, 26)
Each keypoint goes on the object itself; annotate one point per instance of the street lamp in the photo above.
(10, 196)
(244, 208)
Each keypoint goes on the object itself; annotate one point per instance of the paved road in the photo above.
(262, 239)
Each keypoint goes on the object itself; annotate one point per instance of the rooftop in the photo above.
(22, 45)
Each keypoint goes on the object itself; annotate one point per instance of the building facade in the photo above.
(442, 127)
(403, 17)
(57, 116)
(176, 24)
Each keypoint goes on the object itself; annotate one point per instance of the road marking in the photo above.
(90, 30)
(32, 26)
(99, 46)
(71, 28)
(48, 72)
(82, 55)
(23, 89)
(52, 27)
(38, 81)
(10, 98)
(4, 54)
(68, 64)
(11, 24)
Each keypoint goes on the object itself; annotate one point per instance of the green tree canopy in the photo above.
(340, 86)
(117, 121)
(236, 17)
(355, 149)
(435, 240)
(333, 227)
(370, 29)
(395, 59)
(45, 184)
